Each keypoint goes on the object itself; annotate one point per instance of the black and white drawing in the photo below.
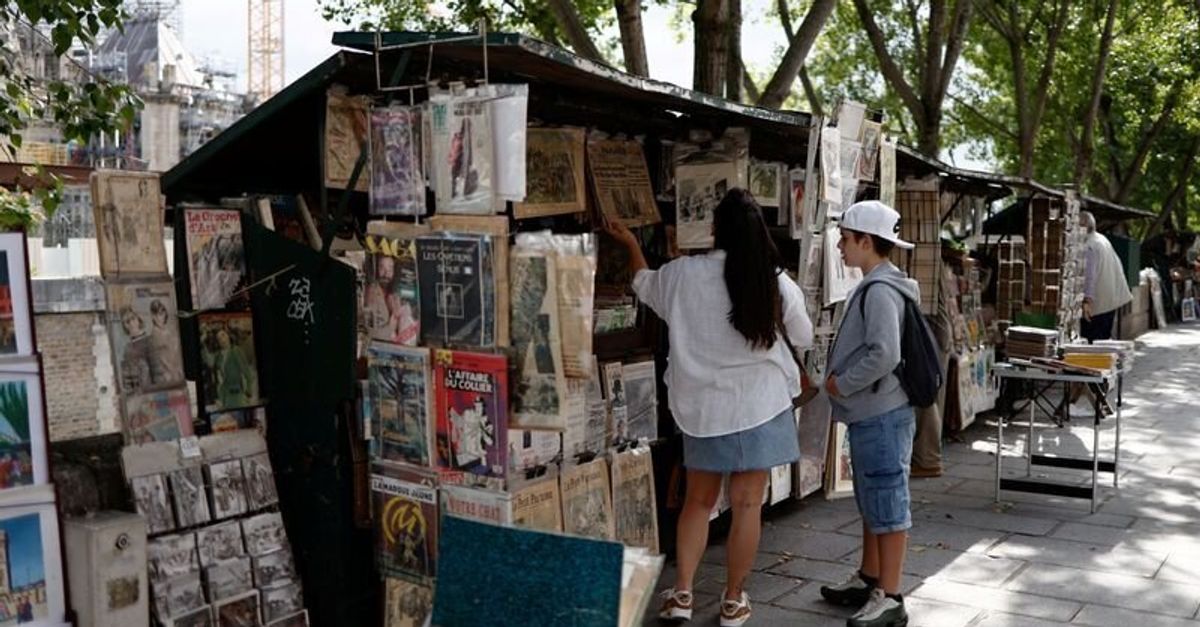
(407, 604)
(641, 399)
(264, 533)
(219, 543)
(178, 596)
(228, 487)
(191, 499)
(172, 556)
(150, 496)
(228, 579)
(274, 568)
(239, 612)
(260, 482)
(201, 617)
(281, 601)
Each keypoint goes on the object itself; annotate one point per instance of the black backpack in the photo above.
(920, 370)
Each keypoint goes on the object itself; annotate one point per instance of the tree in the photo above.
(800, 43)
(1083, 158)
(633, 37)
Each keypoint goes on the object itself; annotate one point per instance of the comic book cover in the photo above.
(540, 386)
(457, 290)
(488, 506)
(397, 183)
(129, 222)
(405, 507)
(635, 512)
(216, 256)
(144, 330)
(230, 373)
(401, 395)
(471, 399)
(391, 309)
(587, 500)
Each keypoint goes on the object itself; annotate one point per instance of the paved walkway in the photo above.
(1029, 561)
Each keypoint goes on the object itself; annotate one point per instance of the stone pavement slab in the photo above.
(998, 600)
(1079, 555)
(1101, 616)
(1132, 593)
(1000, 619)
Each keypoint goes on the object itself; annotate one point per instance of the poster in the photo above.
(618, 403)
(699, 188)
(153, 503)
(831, 177)
(840, 279)
(129, 223)
(228, 489)
(401, 403)
(391, 309)
(405, 507)
(641, 399)
(850, 118)
(230, 370)
(16, 326)
(554, 173)
(471, 399)
(406, 604)
(216, 256)
(346, 124)
(397, 182)
(767, 183)
(144, 330)
(586, 500)
(162, 416)
(849, 160)
(487, 506)
(190, 497)
(540, 385)
(871, 134)
(23, 460)
(635, 511)
(32, 578)
(462, 154)
(538, 506)
(621, 181)
(457, 290)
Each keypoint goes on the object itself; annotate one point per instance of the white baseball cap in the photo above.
(874, 218)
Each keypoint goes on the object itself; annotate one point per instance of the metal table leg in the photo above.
(1029, 443)
(1117, 446)
(999, 454)
(1096, 449)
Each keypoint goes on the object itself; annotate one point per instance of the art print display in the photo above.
(178, 596)
(271, 569)
(264, 533)
(831, 176)
(554, 182)
(397, 182)
(260, 482)
(463, 158)
(618, 403)
(635, 511)
(641, 400)
(129, 223)
(699, 188)
(586, 500)
(201, 617)
(158, 416)
(152, 502)
(228, 489)
(532, 450)
(16, 326)
(814, 444)
(190, 497)
(216, 255)
(23, 460)
(540, 382)
(405, 507)
(31, 582)
(168, 557)
(391, 305)
(230, 370)
(228, 579)
(621, 181)
(400, 395)
(281, 601)
(487, 506)
(240, 611)
(471, 398)
(767, 183)
(538, 505)
(346, 127)
(144, 329)
(406, 604)
(840, 279)
(219, 543)
(457, 290)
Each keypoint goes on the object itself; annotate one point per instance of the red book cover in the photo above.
(471, 391)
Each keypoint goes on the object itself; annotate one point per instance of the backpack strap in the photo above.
(862, 308)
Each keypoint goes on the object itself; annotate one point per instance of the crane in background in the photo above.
(264, 49)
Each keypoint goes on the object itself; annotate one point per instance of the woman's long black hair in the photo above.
(752, 267)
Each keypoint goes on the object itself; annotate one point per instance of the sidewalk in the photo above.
(1029, 561)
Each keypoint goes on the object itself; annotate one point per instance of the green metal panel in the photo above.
(1129, 250)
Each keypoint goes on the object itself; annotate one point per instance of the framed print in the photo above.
(22, 428)
(16, 323)
(33, 580)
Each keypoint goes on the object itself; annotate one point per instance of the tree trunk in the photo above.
(733, 70)
(752, 92)
(567, 18)
(1083, 159)
(814, 99)
(929, 132)
(780, 85)
(711, 46)
(633, 37)
(1180, 191)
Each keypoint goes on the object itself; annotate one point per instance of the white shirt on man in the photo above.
(1104, 278)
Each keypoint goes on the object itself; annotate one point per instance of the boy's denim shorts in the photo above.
(881, 453)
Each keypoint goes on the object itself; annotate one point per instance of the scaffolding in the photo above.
(264, 49)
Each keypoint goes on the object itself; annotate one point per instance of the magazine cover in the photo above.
(487, 506)
(457, 290)
(541, 385)
(397, 183)
(406, 520)
(538, 505)
(621, 182)
(635, 512)
(346, 125)
(554, 170)
(144, 330)
(497, 228)
(391, 308)
(699, 188)
(129, 223)
(462, 154)
(216, 255)
(230, 372)
(586, 500)
(641, 400)
(618, 403)
(406, 604)
(162, 416)
(471, 392)
(401, 403)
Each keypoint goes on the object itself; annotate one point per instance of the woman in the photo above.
(732, 381)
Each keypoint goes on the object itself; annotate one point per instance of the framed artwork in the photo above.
(22, 428)
(31, 585)
(840, 471)
(16, 324)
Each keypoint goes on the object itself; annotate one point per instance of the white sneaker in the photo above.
(880, 611)
(735, 613)
(677, 606)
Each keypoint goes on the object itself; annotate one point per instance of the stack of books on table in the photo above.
(1029, 342)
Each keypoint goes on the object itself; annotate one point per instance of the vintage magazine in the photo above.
(228, 485)
(230, 370)
(457, 289)
(161, 416)
(635, 511)
(540, 385)
(391, 309)
(190, 496)
(618, 403)
(641, 400)
(346, 124)
(471, 400)
(171, 556)
(397, 182)
(406, 604)
(497, 228)
(271, 569)
(767, 183)
(699, 188)
(228, 579)
(587, 502)
(574, 438)
(129, 223)
(220, 543)
(477, 504)
(530, 451)
(401, 403)
(537, 505)
(144, 330)
(463, 157)
(575, 261)
(216, 256)
(260, 482)
(554, 173)
(264, 533)
(150, 497)
(405, 508)
(621, 181)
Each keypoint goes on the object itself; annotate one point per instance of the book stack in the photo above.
(1030, 342)
(1120, 352)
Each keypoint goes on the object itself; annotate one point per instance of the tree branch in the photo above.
(814, 99)
(1143, 150)
(567, 18)
(891, 72)
(752, 91)
(996, 126)
(935, 32)
(1185, 177)
(1083, 159)
(785, 17)
(954, 45)
(781, 82)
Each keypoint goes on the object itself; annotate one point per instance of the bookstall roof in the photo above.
(1012, 220)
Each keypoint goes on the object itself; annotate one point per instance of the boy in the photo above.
(866, 395)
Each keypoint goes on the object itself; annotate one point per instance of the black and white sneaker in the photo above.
(880, 611)
(853, 592)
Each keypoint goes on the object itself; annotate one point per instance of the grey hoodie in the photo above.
(868, 350)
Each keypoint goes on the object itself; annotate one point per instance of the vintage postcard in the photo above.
(537, 505)
(129, 223)
(260, 482)
(391, 307)
(190, 497)
(281, 601)
(157, 416)
(172, 556)
(537, 350)
(554, 168)
(621, 181)
(150, 496)
(400, 391)
(144, 329)
(299, 619)
(587, 501)
(407, 604)
(405, 506)
(346, 124)
(264, 533)
(397, 182)
(635, 511)
(477, 504)
(699, 188)
(230, 373)
(228, 579)
(239, 612)
(228, 489)
(201, 617)
(641, 400)
(216, 255)
(220, 542)
(274, 568)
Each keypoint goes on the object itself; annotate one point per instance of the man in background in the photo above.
(1105, 287)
